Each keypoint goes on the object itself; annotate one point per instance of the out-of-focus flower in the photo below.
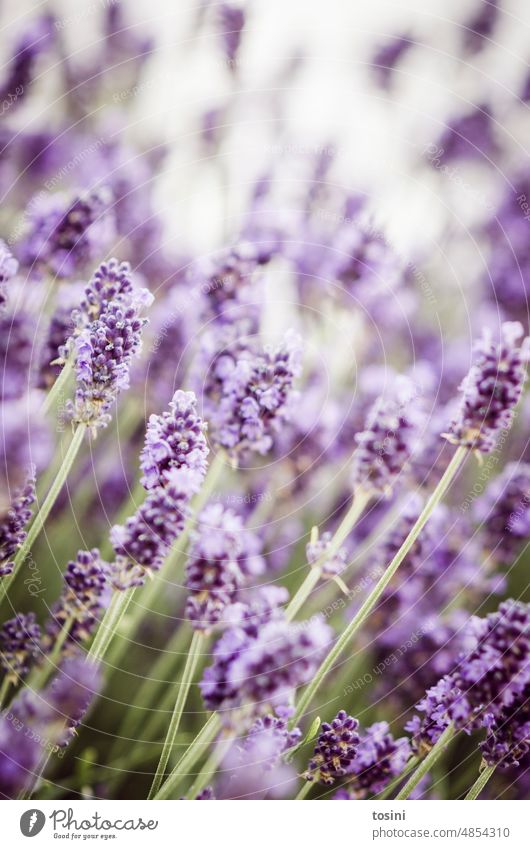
(142, 544)
(387, 56)
(491, 389)
(254, 770)
(20, 644)
(248, 396)
(12, 525)
(378, 759)
(175, 439)
(36, 38)
(470, 136)
(479, 29)
(504, 512)
(8, 269)
(385, 447)
(17, 340)
(332, 565)
(65, 234)
(25, 445)
(82, 601)
(231, 23)
(335, 749)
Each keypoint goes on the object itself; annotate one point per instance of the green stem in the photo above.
(210, 767)
(175, 558)
(480, 783)
(160, 674)
(55, 392)
(358, 505)
(366, 608)
(109, 624)
(4, 690)
(304, 790)
(427, 763)
(190, 756)
(45, 509)
(182, 695)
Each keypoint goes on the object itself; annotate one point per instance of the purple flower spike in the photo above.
(103, 354)
(176, 439)
(385, 447)
(333, 565)
(146, 538)
(67, 234)
(8, 269)
(83, 599)
(508, 735)
(491, 389)
(231, 22)
(335, 749)
(504, 512)
(379, 759)
(19, 645)
(249, 396)
(12, 526)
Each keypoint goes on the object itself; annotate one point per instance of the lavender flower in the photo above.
(12, 525)
(103, 354)
(470, 136)
(25, 446)
(480, 28)
(387, 57)
(36, 38)
(17, 339)
(385, 447)
(8, 269)
(332, 565)
(248, 396)
(66, 234)
(487, 680)
(508, 735)
(504, 512)
(111, 281)
(213, 573)
(491, 389)
(378, 759)
(175, 439)
(83, 599)
(231, 22)
(19, 645)
(260, 661)
(142, 544)
(335, 749)
(254, 770)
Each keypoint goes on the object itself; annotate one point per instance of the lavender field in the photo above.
(264, 410)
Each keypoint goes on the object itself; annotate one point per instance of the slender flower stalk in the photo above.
(411, 764)
(479, 785)
(211, 766)
(190, 757)
(427, 763)
(304, 790)
(365, 610)
(110, 624)
(175, 560)
(44, 511)
(360, 501)
(182, 694)
(54, 395)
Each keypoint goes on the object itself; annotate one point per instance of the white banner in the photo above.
(253, 825)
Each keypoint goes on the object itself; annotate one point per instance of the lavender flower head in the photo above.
(504, 512)
(488, 679)
(332, 564)
(103, 354)
(19, 645)
(13, 523)
(8, 268)
(248, 396)
(507, 740)
(231, 22)
(379, 758)
(142, 544)
(66, 234)
(174, 439)
(385, 447)
(213, 573)
(82, 601)
(335, 749)
(491, 389)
